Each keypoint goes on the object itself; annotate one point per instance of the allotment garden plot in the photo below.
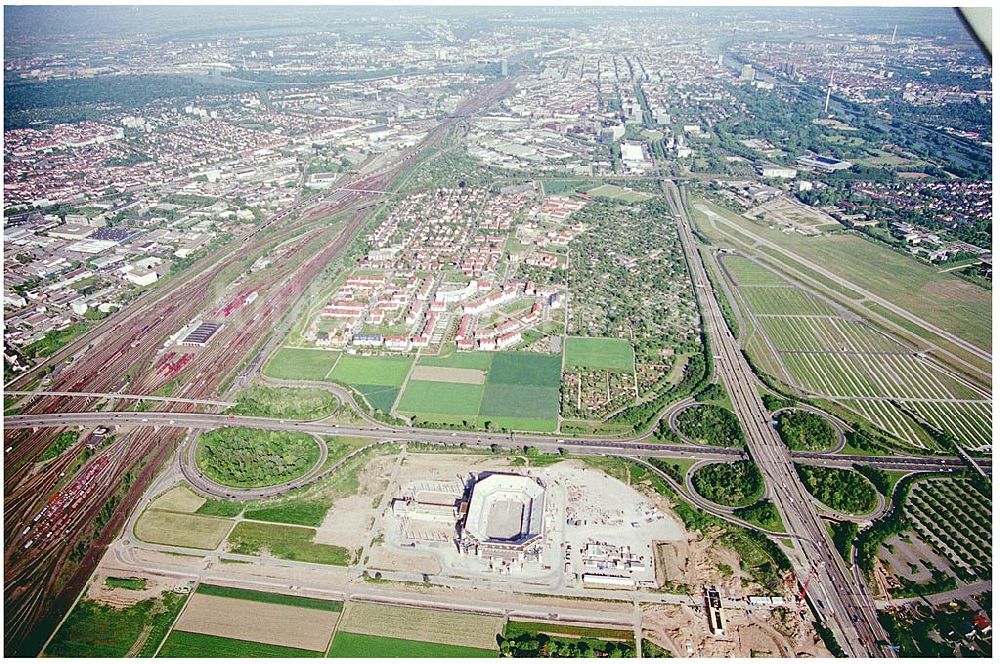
(832, 354)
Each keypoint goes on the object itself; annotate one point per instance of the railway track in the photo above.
(121, 353)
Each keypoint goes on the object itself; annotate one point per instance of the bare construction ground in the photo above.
(766, 632)
(699, 561)
(156, 584)
(788, 213)
(402, 622)
(392, 558)
(277, 624)
(449, 375)
(444, 467)
(349, 519)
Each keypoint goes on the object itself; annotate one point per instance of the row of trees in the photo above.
(529, 644)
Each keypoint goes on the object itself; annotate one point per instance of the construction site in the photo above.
(565, 526)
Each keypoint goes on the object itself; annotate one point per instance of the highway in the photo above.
(639, 446)
(844, 604)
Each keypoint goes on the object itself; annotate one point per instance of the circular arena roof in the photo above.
(505, 509)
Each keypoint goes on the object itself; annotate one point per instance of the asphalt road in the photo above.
(844, 603)
(628, 447)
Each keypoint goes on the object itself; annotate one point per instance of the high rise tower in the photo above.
(829, 89)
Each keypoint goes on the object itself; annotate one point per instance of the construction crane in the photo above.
(805, 586)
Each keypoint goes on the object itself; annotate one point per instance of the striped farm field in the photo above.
(872, 375)
(785, 300)
(849, 360)
(263, 622)
(802, 333)
(454, 628)
(830, 374)
(970, 423)
(190, 644)
(863, 338)
(825, 333)
(887, 417)
(748, 273)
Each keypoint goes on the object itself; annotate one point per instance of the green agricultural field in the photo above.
(176, 529)
(519, 401)
(270, 598)
(381, 397)
(190, 644)
(537, 369)
(297, 403)
(599, 353)
(301, 364)
(428, 398)
(474, 360)
(617, 193)
(285, 542)
(249, 458)
(346, 644)
(383, 370)
(298, 512)
(93, 629)
(521, 392)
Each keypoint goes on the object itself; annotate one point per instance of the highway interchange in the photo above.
(844, 604)
(841, 597)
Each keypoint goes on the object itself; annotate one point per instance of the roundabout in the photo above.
(226, 463)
